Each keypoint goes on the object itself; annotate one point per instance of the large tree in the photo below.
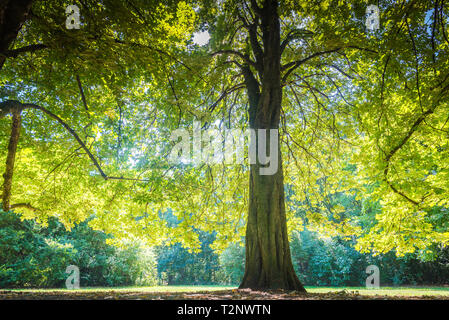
(70, 91)
(249, 41)
(104, 99)
(319, 61)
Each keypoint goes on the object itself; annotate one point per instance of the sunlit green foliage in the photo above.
(368, 118)
(33, 256)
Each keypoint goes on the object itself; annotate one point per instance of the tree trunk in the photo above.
(10, 159)
(268, 258)
(13, 14)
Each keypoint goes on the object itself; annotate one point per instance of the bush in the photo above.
(335, 262)
(33, 256)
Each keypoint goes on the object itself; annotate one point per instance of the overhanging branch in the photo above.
(23, 205)
(6, 106)
(292, 35)
(291, 66)
(31, 48)
(244, 57)
(83, 97)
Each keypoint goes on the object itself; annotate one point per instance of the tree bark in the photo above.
(268, 258)
(13, 13)
(10, 158)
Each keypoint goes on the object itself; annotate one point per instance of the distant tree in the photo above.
(179, 266)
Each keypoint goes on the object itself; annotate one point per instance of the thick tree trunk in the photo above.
(10, 159)
(13, 14)
(268, 258)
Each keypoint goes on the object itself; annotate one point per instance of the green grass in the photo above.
(389, 291)
(134, 289)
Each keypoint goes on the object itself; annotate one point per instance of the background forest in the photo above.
(33, 256)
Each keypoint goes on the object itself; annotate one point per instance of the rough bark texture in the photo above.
(13, 13)
(10, 159)
(268, 258)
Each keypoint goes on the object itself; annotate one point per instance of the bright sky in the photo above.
(201, 38)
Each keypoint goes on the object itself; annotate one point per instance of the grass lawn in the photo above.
(132, 289)
(388, 291)
(226, 292)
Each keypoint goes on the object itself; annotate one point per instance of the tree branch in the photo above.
(291, 66)
(83, 97)
(403, 141)
(5, 105)
(23, 205)
(292, 35)
(11, 156)
(245, 57)
(225, 93)
(253, 90)
(257, 10)
(31, 48)
(71, 131)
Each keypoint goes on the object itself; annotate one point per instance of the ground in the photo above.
(219, 292)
